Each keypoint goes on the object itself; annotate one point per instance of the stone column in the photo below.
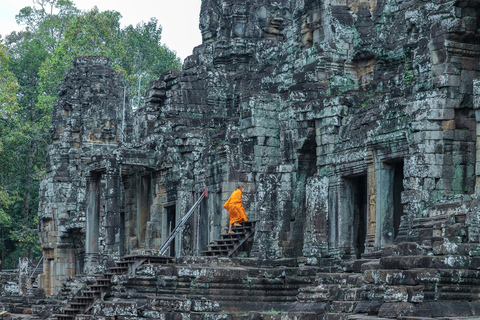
(23, 276)
(316, 238)
(371, 198)
(333, 209)
(344, 221)
(93, 221)
(112, 212)
(476, 106)
(384, 209)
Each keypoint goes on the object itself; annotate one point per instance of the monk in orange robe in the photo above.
(235, 209)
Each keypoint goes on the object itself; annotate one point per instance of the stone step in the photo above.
(124, 264)
(222, 253)
(222, 247)
(324, 293)
(86, 300)
(452, 296)
(91, 293)
(232, 236)
(249, 297)
(149, 259)
(99, 287)
(251, 287)
(78, 305)
(64, 316)
(426, 262)
(339, 278)
(227, 241)
(103, 281)
(70, 311)
(422, 276)
(118, 270)
(355, 266)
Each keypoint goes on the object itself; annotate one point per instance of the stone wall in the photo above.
(351, 124)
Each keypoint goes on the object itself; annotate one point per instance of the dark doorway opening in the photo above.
(171, 221)
(359, 188)
(397, 195)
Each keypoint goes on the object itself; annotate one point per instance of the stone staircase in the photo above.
(83, 302)
(236, 288)
(229, 243)
(81, 305)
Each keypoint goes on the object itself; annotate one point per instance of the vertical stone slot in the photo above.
(359, 200)
(171, 223)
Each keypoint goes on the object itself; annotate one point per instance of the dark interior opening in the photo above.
(359, 185)
(397, 195)
(171, 219)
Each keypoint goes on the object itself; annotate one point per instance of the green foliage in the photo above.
(8, 88)
(145, 57)
(408, 73)
(32, 66)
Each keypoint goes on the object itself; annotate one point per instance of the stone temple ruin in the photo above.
(354, 126)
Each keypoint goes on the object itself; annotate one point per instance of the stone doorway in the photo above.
(359, 204)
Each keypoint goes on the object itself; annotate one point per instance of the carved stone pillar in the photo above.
(344, 219)
(476, 106)
(371, 202)
(384, 204)
(316, 237)
(112, 212)
(93, 221)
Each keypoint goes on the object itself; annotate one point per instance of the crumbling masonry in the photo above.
(353, 125)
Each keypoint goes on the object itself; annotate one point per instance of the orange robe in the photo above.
(235, 208)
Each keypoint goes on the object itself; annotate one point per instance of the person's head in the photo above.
(240, 187)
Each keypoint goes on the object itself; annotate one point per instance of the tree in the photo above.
(145, 56)
(136, 52)
(8, 119)
(48, 19)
